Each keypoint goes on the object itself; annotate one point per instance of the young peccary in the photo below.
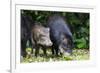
(40, 38)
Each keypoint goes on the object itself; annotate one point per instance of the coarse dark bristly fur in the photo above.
(26, 26)
(58, 28)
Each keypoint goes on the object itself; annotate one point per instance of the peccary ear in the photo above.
(47, 29)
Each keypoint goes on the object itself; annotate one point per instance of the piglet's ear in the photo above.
(48, 29)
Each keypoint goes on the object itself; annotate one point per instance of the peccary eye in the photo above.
(42, 39)
(41, 36)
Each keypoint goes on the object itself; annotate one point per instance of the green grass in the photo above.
(78, 54)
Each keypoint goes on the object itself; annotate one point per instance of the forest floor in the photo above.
(78, 54)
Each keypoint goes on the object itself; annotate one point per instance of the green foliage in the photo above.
(78, 22)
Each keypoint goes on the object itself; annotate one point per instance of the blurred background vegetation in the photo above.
(78, 23)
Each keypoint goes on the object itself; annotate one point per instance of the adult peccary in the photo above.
(26, 26)
(60, 35)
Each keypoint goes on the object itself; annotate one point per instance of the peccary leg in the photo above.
(53, 50)
(44, 50)
(36, 51)
(56, 50)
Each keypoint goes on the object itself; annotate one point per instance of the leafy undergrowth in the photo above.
(78, 54)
